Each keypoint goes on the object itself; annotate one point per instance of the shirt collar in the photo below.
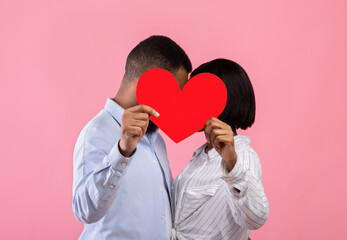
(201, 148)
(151, 137)
(243, 140)
(114, 109)
(212, 153)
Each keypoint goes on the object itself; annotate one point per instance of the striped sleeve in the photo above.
(248, 202)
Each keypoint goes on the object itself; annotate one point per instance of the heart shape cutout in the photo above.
(182, 113)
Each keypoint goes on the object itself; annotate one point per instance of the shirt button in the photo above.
(124, 164)
(161, 189)
(162, 217)
(112, 186)
(154, 161)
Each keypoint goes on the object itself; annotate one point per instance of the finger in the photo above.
(224, 134)
(212, 137)
(207, 131)
(226, 138)
(207, 124)
(222, 140)
(139, 123)
(143, 125)
(217, 143)
(134, 132)
(144, 109)
(210, 128)
(207, 136)
(220, 131)
(140, 116)
(215, 124)
(208, 121)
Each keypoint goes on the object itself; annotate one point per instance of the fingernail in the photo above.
(157, 114)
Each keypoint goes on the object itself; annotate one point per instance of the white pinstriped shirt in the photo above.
(207, 204)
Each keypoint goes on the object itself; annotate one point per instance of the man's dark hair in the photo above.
(156, 52)
(239, 111)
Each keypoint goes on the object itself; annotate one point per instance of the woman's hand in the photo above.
(221, 136)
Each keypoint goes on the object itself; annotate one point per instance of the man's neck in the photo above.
(126, 98)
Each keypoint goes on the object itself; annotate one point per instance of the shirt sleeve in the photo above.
(248, 201)
(97, 176)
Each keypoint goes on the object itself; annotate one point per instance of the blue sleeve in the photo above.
(97, 175)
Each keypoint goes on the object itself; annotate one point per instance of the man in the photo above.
(122, 179)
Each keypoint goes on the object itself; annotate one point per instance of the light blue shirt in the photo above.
(118, 197)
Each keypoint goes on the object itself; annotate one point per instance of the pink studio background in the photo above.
(60, 60)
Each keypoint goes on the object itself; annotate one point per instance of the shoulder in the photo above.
(101, 127)
(243, 145)
(102, 122)
(247, 155)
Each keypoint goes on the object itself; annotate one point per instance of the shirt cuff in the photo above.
(118, 162)
(237, 178)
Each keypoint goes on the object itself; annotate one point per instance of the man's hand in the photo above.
(221, 136)
(134, 126)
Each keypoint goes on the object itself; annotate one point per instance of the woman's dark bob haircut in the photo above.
(239, 111)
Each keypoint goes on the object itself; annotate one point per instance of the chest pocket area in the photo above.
(195, 198)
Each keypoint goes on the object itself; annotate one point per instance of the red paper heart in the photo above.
(185, 112)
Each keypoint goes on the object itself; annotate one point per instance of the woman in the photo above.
(219, 194)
